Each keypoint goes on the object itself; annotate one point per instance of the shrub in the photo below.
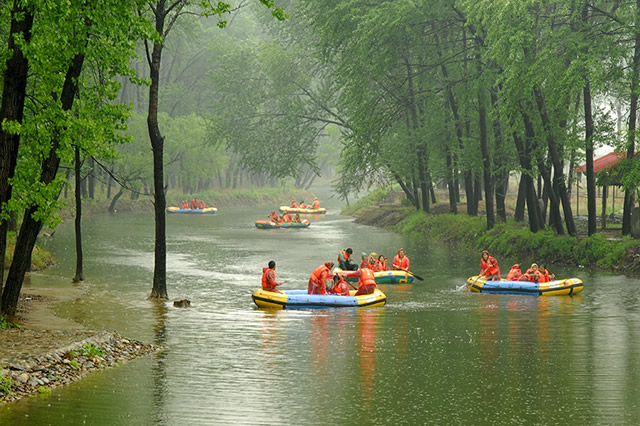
(5, 384)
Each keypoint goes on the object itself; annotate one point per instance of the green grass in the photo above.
(5, 384)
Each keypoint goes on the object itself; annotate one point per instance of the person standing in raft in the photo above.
(344, 260)
(366, 280)
(269, 282)
(489, 267)
(515, 273)
(340, 286)
(400, 261)
(318, 279)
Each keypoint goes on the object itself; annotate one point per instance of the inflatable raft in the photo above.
(296, 299)
(320, 210)
(562, 287)
(383, 277)
(178, 210)
(266, 224)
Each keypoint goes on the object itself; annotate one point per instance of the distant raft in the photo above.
(383, 277)
(320, 210)
(178, 210)
(299, 299)
(265, 224)
(561, 287)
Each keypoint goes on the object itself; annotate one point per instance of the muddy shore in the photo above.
(47, 351)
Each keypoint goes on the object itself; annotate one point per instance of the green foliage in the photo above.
(450, 229)
(43, 390)
(596, 250)
(371, 199)
(91, 351)
(3, 322)
(5, 384)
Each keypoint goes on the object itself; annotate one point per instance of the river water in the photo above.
(433, 355)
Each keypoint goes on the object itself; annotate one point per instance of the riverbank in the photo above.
(607, 249)
(47, 351)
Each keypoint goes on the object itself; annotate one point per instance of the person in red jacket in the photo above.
(287, 217)
(344, 260)
(400, 261)
(366, 280)
(202, 205)
(364, 261)
(318, 279)
(340, 286)
(545, 275)
(316, 204)
(381, 264)
(274, 216)
(294, 205)
(297, 218)
(269, 282)
(532, 274)
(515, 273)
(489, 267)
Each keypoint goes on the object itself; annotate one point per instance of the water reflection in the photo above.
(160, 314)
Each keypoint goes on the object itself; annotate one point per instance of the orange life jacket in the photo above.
(400, 263)
(265, 285)
(489, 266)
(344, 254)
(294, 205)
(367, 277)
(316, 204)
(514, 274)
(315, 275)
(364, 264)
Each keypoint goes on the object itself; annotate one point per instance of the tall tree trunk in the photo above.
(92, 178)
(591, 176)
(159, 290)
(78, 222)
(486, 156)
(521, 200)
(558, 175)
(502, 174)
(633, 107)
(30, 226)
(12, 110)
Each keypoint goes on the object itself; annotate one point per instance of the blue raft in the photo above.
(297, 299)
(562, 287)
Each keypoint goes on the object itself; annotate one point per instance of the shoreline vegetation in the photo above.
(43, 351)
(604, 250)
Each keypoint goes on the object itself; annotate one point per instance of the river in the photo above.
(433, 355)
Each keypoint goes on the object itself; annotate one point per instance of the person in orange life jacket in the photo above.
(316, 204)
(515, 273)
(297, 218)
(400, 261)
(318, 279)
(194, 203)
(293, 205)
(344, 260)
(532, 274)
(545, 275)
(273, 216)
(184, 204)
(364, 260)
(381, 264)
(372, 261)
(201, 205)
(269, 282)
(340, 286)
(287, 217)
(302, 205)
(366, 280)
(489, 267)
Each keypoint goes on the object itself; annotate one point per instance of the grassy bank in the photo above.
(511, 240)
(40, 258)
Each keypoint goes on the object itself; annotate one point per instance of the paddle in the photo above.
(415, 275)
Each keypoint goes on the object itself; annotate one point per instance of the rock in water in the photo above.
(182, 303)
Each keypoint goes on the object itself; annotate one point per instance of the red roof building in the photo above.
(603, 162)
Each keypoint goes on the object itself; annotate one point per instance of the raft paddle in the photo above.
(416, 275)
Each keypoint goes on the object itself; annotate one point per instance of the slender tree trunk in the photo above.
(520, 201)
(486, 157)
(78, 222)
(502, 174)
(12, 110)
(30, 226)
(159, 290)
(633, 107)
(558, 175)
(591, 176)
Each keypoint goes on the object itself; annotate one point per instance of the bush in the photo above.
(5, 384)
